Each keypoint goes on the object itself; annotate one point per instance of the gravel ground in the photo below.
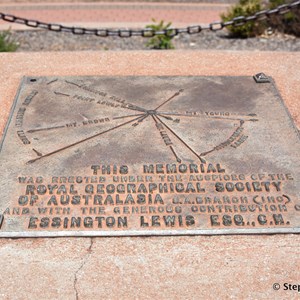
(39, 40)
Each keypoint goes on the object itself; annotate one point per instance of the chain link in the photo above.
(148, 33)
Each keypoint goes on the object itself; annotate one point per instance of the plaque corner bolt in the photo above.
(261, 78)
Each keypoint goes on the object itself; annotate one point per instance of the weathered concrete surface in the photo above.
(201, 267)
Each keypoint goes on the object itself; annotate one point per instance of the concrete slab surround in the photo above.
(181, 267)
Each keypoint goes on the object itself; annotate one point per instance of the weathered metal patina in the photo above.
(108, 156)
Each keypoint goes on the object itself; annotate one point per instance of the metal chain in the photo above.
(148, 32)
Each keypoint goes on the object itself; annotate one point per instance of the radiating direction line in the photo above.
(123, 117)
(37, 152)
(165, 102)
(174, 133)
(166, 117)
(133, 107)
(52, 81)
(154, 119)
(170, 146)
(125, 104)
(169, 118)
(230, 140)
(140, 120)
(173, 151)
(45, 129)
(83, 140)
(238, 118)
(70, 82)
(84, 116)
(73, 127)
(61, 94)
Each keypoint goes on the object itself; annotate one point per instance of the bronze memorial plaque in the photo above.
(141, 155)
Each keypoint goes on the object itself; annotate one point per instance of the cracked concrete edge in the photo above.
(84, 261)
(40, 268)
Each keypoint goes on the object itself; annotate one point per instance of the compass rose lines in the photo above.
(250, 117)
(120, 103)
(84, 116)
(182, 141)
(133, 107)
(52, 81)
(173, 151)
(70, 82)
(45, 129)
(169, 118)
(140, 120)
(237, 134)
(123, 117)
(87, 121)
(37, 152)
(61, 94)
(169, 99)
(165, 137)
(83, 140)
(141, 114)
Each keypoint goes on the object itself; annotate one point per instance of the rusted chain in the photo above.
(126, 33)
